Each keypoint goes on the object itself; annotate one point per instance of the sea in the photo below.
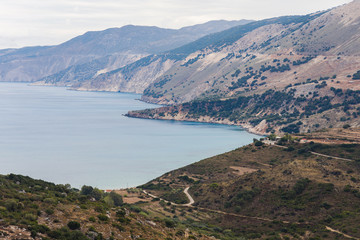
(83, 138)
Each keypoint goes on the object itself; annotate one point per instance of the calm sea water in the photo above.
(82, 138)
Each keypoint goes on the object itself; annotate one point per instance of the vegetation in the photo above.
(290, 194)
(50, 211)
(356, 76)
(282, 109)
(267, 190)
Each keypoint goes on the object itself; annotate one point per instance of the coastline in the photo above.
(247, 127)
(257, 130)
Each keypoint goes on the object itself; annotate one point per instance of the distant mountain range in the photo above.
(117, 47)
(286, 74)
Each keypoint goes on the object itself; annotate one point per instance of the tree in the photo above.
(86, 190)
(118, 201)
(92, 192)
(272, 137)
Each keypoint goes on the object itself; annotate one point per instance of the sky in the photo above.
(50, 22)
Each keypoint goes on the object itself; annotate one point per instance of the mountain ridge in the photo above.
(32, 63)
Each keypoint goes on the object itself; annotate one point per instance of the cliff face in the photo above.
(135, 77)
(76, 74)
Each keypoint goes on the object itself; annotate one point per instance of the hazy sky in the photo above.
(47, 22)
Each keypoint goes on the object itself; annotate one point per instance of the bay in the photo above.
(83, 138)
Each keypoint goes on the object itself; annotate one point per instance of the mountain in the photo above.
(288, 74)
(82, 76)
(175, 57)
(33, 63)
(314, 46)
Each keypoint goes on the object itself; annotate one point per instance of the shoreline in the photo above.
(244, 126)
(247, 127)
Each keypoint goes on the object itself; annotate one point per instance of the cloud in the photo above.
(39, 22)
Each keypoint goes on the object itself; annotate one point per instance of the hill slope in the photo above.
(285, 192)
(254, 192)
(35, 209)
(290, 74)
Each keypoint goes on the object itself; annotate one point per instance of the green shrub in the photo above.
(300, 185)
(73, 225)
(180, 233)
(3, 209)
(50, 200)
(103, 217)
(116, 199)
(170, 223)
(49, 211)
(12, 205)
(30, 217)
(119, 227)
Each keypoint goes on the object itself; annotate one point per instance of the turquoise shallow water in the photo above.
(83, 138)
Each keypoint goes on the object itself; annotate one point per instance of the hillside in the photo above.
(176, 59)
(273, 192)
(268, 54)
(288, 74)
(286, 191)
(35, 209)
(33, 63)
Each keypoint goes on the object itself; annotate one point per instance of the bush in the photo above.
(170, 223)
(50, 200)
(49, 211)
(103, 217)
(119, 227)
(356, 76)
(30, 217)
(12, 205)
(300, 185)
(180, 233)
(73, 225)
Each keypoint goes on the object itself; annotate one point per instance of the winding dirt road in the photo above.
(191, 200)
